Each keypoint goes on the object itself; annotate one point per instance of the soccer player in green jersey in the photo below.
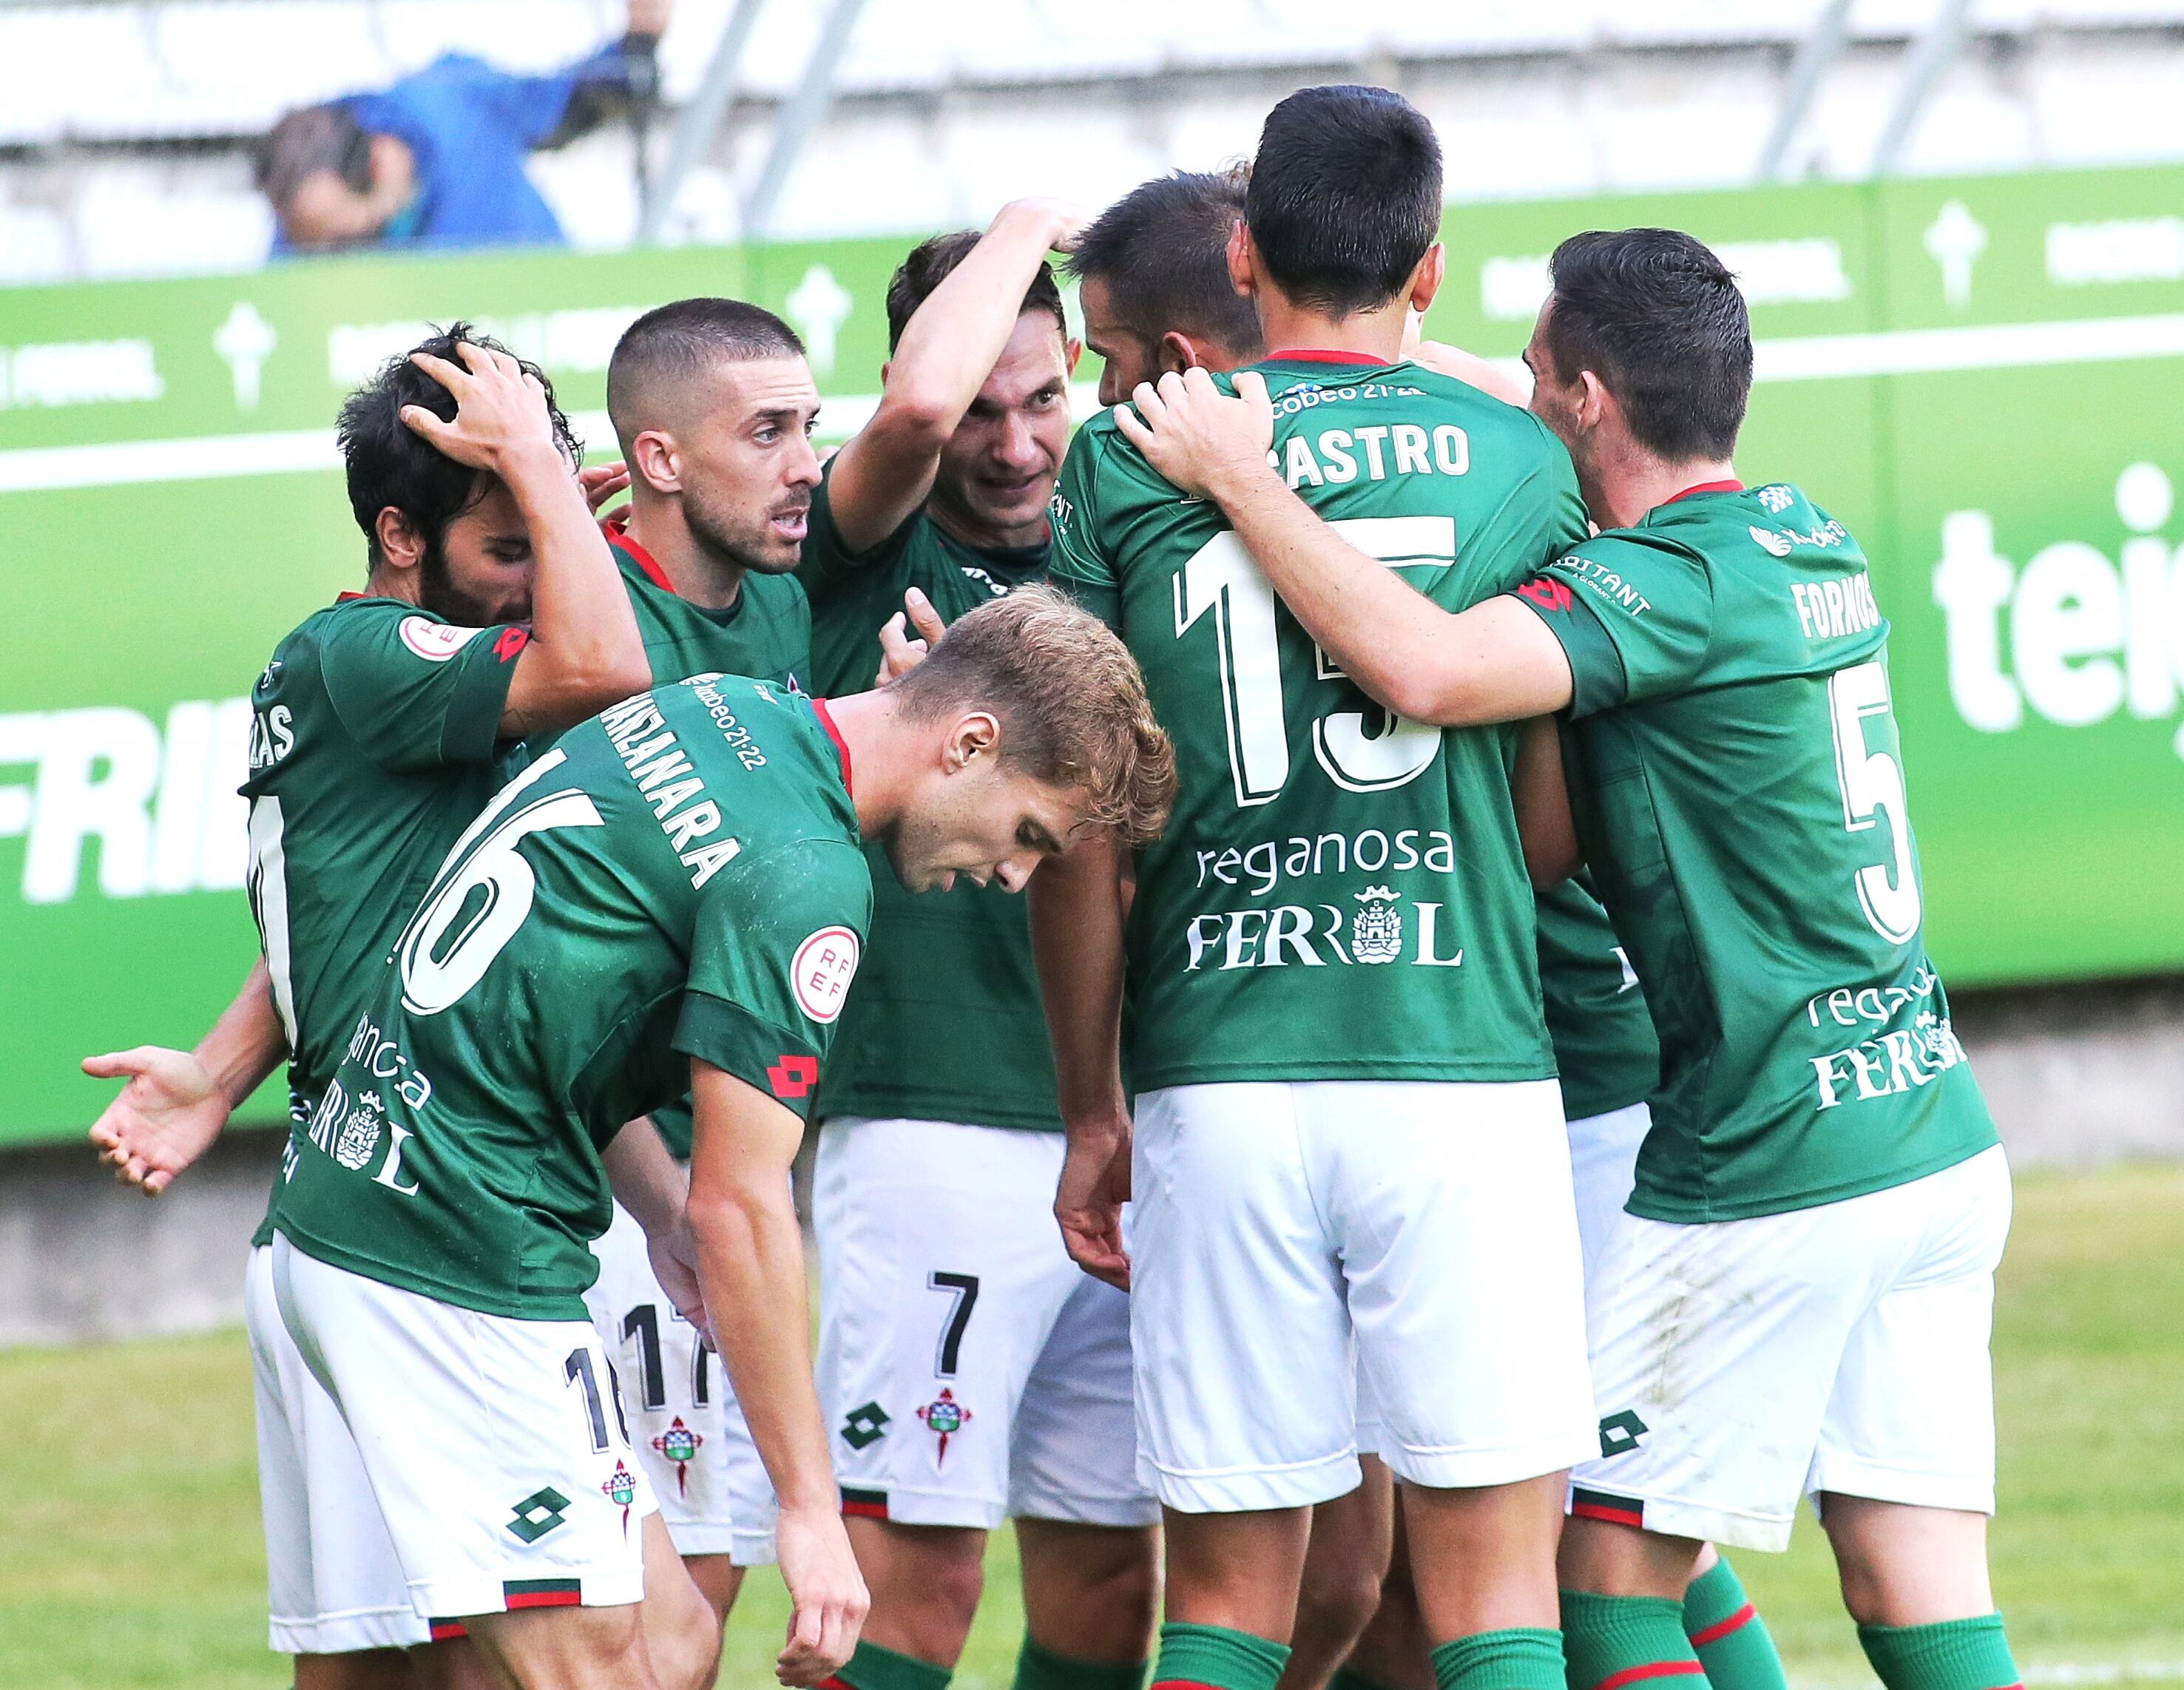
(970, 1373)
(374, 730)
(1348, 1140)
(1821, 1201)
(674, 897)
(713, 403)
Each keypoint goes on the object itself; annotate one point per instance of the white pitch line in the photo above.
(1890, 351)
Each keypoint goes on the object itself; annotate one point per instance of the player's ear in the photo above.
(1071, 350)
(399, 543)
(976, 733)
(1243, 266)
(1427, 277)
(652, 460)
(1177, 351)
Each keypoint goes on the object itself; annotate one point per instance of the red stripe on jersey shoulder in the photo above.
(1706, 487)
(618, 535)
(841, 746)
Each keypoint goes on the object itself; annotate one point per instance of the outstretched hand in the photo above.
(601, 482)
(1198, 437)
(165, 1119)
(899, 652)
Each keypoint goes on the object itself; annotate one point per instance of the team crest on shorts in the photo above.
(946, 1416)
(679, 1444)
(1376, 931)
(620, 1486)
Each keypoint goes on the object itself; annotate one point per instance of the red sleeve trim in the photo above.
(841, 746)
(618, 537)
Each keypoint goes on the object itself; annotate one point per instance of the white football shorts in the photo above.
(333, 1584)
(714, 1497)
(1297, 1242)
(494, 1447)
(1603, 1167)
(970, 1370)
(1839, 1349)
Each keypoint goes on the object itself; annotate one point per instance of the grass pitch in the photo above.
(133, 1556)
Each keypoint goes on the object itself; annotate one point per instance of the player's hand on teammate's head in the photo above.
(1196, 436)
(827, 1598)
(165, 1119)
(500, 408)
(1065, 219)
(601, 482)
(898, 652)
(1088, 1205)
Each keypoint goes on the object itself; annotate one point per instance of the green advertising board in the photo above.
(1967, 373)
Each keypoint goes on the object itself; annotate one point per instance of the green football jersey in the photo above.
(371, 746)
(945, 1022)
(767, 633)
(1605, 1047)
(1739, 789)
(679, 877)
(1339, 895)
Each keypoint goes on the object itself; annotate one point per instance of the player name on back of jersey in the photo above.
(657, 761)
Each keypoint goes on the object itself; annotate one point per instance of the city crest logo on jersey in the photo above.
(1376, 931)
(357, 1136)
(946, 1415)
(679, 1445)
(824, 965)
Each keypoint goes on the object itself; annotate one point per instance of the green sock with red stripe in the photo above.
(1521, 1659)
(1731, 1639)
(1953, 1654)
(1615, 1642)
(1215, 1657)
(873, 1668)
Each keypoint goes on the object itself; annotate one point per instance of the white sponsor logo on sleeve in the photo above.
(823, 967)
(435, 642)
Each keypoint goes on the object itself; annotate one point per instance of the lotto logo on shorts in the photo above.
(539, 1514)
(825, 965)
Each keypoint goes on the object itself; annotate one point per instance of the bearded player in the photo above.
(1348, 1156)
(970, 1373)
(1820, 1202)
(675, 900)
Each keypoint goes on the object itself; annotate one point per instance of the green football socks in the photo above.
(1615, 1641)
(1520, 1658)
(1730, 1638)
(1349, 1678)
(1953, 1654)
(1039, 1669)
(1215, 1657)
(873, 1668)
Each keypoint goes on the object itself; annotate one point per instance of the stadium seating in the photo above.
(134, 161)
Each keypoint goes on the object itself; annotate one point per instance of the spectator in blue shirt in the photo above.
(437, 160)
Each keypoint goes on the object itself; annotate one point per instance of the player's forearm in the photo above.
(1077, 943)
(646, 1180)
(585, 652)
(1544, 825)
(750, 1263)
(244, 1046)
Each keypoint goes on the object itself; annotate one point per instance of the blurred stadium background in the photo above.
(1960, 224)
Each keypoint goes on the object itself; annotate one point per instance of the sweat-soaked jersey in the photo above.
(678, 878)
(1739, 789)
(945, 1022)
(371, 746)
(1339, 895)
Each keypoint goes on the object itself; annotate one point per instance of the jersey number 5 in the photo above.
(483, 892)
(1872, 782)
(1220, 577)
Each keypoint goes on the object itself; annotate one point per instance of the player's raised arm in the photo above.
(176, 1101)
(584, 651)
(1077, 941)
(750, 1258)
(946, 350)
(1494, 662)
